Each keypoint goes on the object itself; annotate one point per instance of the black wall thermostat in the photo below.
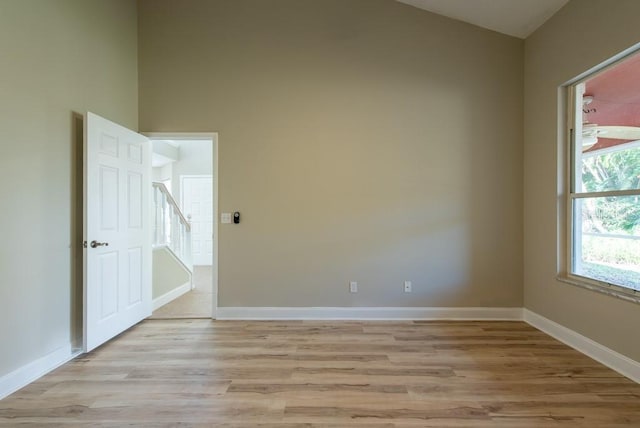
(236, 217)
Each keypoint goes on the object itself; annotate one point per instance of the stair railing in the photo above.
(171, 227)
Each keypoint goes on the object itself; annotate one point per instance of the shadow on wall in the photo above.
(76, 229)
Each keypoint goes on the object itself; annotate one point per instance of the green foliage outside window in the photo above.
(612, 171)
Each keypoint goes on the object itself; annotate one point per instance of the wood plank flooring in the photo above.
(231, 374)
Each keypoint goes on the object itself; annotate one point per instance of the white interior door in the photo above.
(117, 257)
(197, 204)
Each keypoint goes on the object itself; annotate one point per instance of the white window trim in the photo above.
(572, 129)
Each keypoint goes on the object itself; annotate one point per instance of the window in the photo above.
(604, 196)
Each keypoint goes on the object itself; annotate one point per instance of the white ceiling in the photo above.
(518, 18)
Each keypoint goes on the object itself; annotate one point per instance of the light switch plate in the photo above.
(225, 218)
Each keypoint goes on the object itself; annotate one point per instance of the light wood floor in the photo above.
(329, 374)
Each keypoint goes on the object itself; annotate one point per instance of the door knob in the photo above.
(96, 244)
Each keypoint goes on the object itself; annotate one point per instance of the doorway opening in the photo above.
(185, 235)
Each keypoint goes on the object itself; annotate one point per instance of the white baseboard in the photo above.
(171, 295)
(359, 313)
(610, 358)
(21, 377)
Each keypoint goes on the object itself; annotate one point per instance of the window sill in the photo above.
(601, 287)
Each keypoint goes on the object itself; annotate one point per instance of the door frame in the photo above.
(213, 137)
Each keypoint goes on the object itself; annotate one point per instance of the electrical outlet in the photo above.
(407, 286)
(353, 287)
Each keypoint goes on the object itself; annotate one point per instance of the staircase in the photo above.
(171, 229)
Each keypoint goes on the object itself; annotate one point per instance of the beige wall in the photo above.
(168, 272)
(582, 35)
(58, 57)
(360, 139)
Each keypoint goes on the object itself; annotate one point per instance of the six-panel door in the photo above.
(117, 230)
